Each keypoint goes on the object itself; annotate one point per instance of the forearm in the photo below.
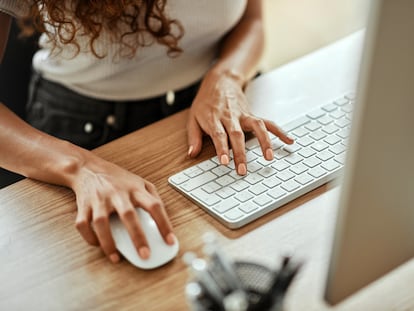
(34, 154)
(242, 49)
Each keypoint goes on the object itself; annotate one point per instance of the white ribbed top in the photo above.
(151, 72)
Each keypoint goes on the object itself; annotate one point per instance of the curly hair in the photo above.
(130, 23)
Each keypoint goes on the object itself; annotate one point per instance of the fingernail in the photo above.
(190, 150)
(170, 238)
(224, 159)
(144, 252)
(291, 138)
(241, 169)
(269, 154)
(114, 258)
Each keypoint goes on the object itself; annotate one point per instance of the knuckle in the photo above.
(258, 123)
(218, 134)
(81, 223)
(127, 214)
(236, 133)
(99, 220)
(155, 206)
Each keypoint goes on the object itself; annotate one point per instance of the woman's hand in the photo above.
(220, 110)
(102, 188)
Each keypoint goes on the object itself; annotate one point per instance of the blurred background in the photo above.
(297, 27)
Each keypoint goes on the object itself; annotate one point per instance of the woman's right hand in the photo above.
(103, 188)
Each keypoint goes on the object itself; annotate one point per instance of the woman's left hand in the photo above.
(220, 110)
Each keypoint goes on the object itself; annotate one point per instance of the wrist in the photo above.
(230, 73)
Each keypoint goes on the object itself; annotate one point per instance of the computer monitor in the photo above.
(374, 231)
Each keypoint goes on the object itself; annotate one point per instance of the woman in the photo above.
(109, 67)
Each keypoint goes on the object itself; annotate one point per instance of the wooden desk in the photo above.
(45, 264)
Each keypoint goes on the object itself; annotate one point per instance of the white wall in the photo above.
(297, 27)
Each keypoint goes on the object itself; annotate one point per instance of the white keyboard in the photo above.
(316, 157)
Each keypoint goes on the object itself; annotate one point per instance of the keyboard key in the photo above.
(312, 162)
(316, 114)
(317, 172)
(313, 126)
(244, 196)
(234, 214)
(179, 179)
(193, 171)
(304, 178)
(299, 132)
(295, 124)
(305, 141)
(198, 181)
(290, 185)
(341, 101)
(293, 158)
(330, 165)
(225, 192)
(221, 170)
(207, 165)
(207, 198)
(307, 152)
(248, 208)
(280, 165)
(211, 187)
(240, 185)
(319, 146)
(317, 135)
(262, 200)
(224, 180)
(253, 178)
(298, 168)
(257, 189)
(285, 175)
(330, 107)
(332, 140)
(277, 193)
(272, 182)
(325, 155)
(267, 171)
(226, 205)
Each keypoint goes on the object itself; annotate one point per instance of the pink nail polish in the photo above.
(170, 239)
(190, 150)
(144, 252)
(224, 159)
(241, 169)
(114, 258)
(269, 154)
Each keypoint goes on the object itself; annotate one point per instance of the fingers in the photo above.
(129, 218)
(273, 128)
(220, 140)
(236, 137)
(194, 137)
(102, 229)
(92, 222)
(83, 224)
(152, 203)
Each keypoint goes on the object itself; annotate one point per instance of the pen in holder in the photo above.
(221, 284)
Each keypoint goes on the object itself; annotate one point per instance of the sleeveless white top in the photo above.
(151, 72)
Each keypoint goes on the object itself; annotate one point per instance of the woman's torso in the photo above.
(151, 72)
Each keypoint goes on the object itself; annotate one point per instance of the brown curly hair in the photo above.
(130, 23)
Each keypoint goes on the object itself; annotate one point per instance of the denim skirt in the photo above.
(90, 122)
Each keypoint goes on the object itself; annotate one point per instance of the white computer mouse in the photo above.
(161, 253)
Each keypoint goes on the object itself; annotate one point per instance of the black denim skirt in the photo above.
(90, 122)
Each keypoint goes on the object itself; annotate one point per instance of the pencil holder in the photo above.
(220, 284)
